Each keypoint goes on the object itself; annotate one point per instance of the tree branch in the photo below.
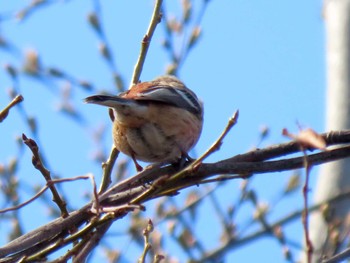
(6, 110)
(156, 18)
(121, 194)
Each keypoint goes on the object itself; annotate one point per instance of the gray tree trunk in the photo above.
(334, 177)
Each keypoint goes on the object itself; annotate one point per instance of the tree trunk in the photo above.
(334, 177)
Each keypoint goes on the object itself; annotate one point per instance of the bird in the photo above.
(157, 121)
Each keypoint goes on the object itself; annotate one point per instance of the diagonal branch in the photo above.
(6, 110)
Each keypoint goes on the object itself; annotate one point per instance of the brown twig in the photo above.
(4, 113)
(16, 207)
(107, 170)
(156, 18)
(147, 245)
(47, 186)
(305, 216)
(37, 163)
(196, 164)
(217, 144)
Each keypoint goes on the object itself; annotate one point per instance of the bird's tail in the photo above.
(109, 101)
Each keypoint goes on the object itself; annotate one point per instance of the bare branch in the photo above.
(37, 163)
(4, 113)
(305, 216)
(107, 170)
(217, 144)
(156, 18)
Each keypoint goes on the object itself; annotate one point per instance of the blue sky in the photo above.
(265, 58)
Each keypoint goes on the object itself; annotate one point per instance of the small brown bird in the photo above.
(157, 121)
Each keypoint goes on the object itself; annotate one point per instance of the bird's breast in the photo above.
(158, 134)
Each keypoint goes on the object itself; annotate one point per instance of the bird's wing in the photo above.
(181, 98)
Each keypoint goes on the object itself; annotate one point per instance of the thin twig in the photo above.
(305, 216)
(4, 113)
(156, 18)
(152, 190)
(16, 207)
(159, 186)
(48, 184)
(147, 245)
(217, 144)
(107, 170)
(37, 163)
(214, 147)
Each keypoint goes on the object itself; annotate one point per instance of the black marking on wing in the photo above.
(177, 97)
